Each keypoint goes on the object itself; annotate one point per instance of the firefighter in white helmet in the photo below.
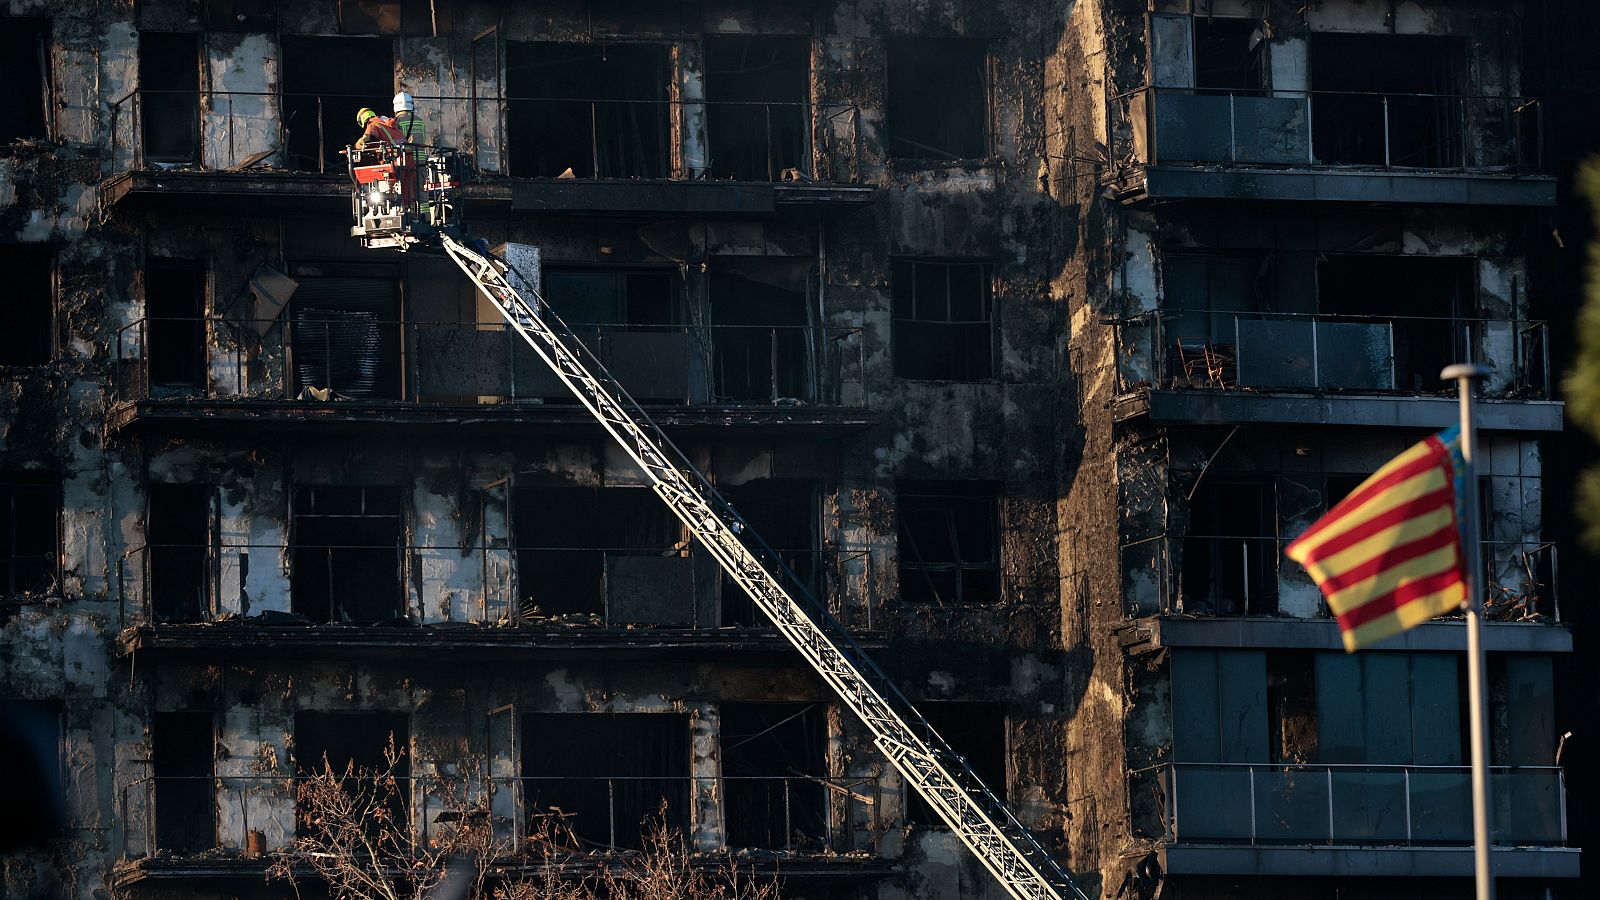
(412, 129)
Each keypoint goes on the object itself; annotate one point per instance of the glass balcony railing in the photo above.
(1329, 129)
(799, 814)
(1265, 351)
(517, 586)
(351, 356)
(1351, 805)
(645, 138)
(1249, 576)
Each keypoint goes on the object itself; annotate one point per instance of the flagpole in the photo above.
(1466, 376)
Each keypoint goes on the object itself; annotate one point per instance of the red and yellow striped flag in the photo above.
(1389, 556)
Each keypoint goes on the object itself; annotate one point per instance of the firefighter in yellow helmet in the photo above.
(375, 129)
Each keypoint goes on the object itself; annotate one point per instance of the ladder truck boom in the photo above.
(941, 776)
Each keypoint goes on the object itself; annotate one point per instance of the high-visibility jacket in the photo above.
(412, 130)
(380, 129)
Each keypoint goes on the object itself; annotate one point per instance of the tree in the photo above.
(355, 835)
(1582, 384)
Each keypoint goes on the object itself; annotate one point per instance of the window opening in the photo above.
(762, 349)
(942, 325)
(169, 96)
(977, 731)
(773, 755)
(29, 510)
(1230, 554)
(756, 121)
(325, 81)
(183, 748)
(177, 532)
(1398, 107)
(24, 70)
(949, 541)
(1423, 302)
(174, 305)
(346, 338)
(1205, 295)
(356, 743)
(604, 775)
(30, 309)
(30, 755)
(633, 319)
(1227, 55)
(938, 103)
(613, 555)
(784, 512)
(591, 110)
(348, 546)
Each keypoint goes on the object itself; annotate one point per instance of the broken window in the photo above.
(614, 553)
(773, 757)
(977, 731)
(348, 546)
(1230, 552)
(1399, 107)
(1227, 54)
(1419, 303)
(177, 535)
(29, 509)
(588, 110)
(357, 743)
(1291, 707)
(25, 72)
(30, 305)
(605, 775)
(949, 541)
(174, 308)
(784, 512)
(762, 349)
(345, 337)
(942, 320)
(30, 755)
(1205, 296)
(182, 751)
(169, 96)
(325, 81)
(633, 320)
(938, 103)
(756, 120)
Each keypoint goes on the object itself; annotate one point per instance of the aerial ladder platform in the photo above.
(405, 200)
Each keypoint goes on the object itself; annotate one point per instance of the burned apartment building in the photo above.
(1027, 333)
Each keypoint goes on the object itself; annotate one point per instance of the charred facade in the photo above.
(1028, 334)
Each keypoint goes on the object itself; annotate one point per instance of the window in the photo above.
(169, 96)
(633, 319)
(177, 538)
(938, 106)
(346, 336)
(325, 80)
(1396, 108)
(30, 305)
(347, 554)
(358, 743)
(594, 110)
(605, 773)
(784, 512)
(977, 731)
(24, 70)
(762, 350)
(1417, 303)
(174, 307)
(1230, 552)
(30, 755)
(29, 509)
(773, 755)
(949, 542)
(182, 751)
(756, 120)
(942, 320)
(1227, 54)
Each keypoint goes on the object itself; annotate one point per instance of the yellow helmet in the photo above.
(364, 115)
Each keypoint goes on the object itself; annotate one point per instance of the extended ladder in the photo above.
(940, 775)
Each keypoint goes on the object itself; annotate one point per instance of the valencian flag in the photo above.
(1389, 556)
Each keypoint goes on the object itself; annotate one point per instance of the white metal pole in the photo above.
(1466, 377)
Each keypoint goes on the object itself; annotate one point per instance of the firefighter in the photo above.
(412, 130)
(375, 129)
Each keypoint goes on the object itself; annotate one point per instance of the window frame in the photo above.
(11, 485)
(910, 561)
(990, 144)
(991, 321)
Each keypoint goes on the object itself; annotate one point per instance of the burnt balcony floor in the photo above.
(1242, 407)
(288, 418)
(451, 643)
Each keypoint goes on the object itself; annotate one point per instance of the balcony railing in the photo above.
(335, 355)
(798, 814)
(1349, 805)
(594, 138)
(1264, 351)
(1249, 576)
(1187, 126)
(668, 587)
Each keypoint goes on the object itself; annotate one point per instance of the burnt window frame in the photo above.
(1262, 551)
(302, 493)
(47, 486)
(900, 265)
(910, 562)
(990, 147)
(51, 345)
(46, 77)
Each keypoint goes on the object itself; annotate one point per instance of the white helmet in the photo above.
(404, 103)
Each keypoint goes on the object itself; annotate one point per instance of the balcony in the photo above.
(650, 157)
(414, 600)
(1246, 367)
(346, 371)
(1179, 143)
(1340, 820)
(1214, 591)
(185, 828)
